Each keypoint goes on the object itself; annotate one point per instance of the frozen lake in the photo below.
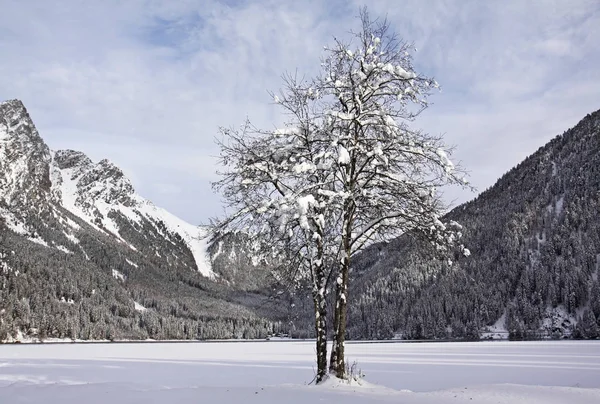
(274, 371)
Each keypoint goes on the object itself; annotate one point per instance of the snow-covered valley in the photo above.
(270, 372)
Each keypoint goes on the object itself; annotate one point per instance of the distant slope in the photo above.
(101, 195)
(83, 256)
(535, 243)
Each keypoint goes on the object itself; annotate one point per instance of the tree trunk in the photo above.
(319, 298)
(321, 332)
(333, 361)
(337, 365)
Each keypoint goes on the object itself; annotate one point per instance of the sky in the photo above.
(147, 83)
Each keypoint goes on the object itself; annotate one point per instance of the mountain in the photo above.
(533, 272)
(103, 197)
(82, 255)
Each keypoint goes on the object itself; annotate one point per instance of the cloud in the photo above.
(146, 83)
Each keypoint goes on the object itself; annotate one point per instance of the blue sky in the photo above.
(147, 83)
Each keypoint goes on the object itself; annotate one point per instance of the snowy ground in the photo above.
(278, 372)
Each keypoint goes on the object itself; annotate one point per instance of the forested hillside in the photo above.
(83, 256)
(534, 239)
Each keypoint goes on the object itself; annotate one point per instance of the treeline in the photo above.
(535, 244)
(47, 293)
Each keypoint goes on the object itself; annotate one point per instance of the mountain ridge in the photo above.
(82, 255)
(94, 192)
(535, 243)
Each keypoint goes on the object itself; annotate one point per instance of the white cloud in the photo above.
(556, 47)
(147, 83)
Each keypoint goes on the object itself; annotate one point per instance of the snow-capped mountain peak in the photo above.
(104, 197)
(33, 180)
(24, 157)
(103, 182)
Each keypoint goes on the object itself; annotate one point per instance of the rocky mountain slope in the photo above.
(533, 272)
(66, 183)
(83, 256)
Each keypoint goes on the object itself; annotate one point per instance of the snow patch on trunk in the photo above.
(343, 156)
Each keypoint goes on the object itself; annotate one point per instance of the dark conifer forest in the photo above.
(534, 239)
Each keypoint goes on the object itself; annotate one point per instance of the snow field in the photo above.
(275, 372)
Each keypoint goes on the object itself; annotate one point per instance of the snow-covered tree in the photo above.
(388, 174)
(346, 170)
(280, 185)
